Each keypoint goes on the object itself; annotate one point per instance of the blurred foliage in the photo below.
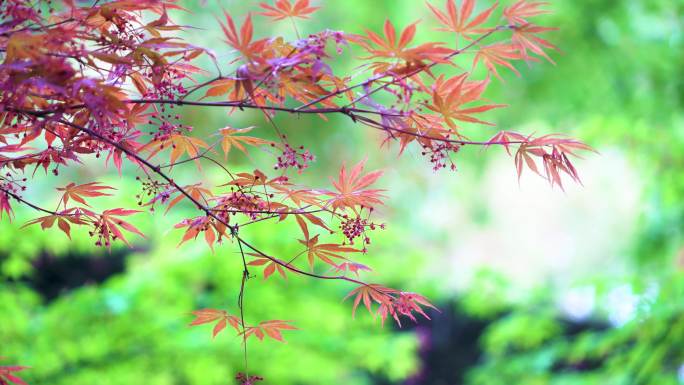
(533, 343)
(618, 85)
(133, 328)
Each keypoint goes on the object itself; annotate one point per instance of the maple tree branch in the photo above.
(353, 113)
(241, 104)
(190, 159)
(349, 111)
(299, 271)
(208, 211)
(241, 299)
(278, 213)
(383, 127)
(38, 28)
(199, 86)
(29, 204)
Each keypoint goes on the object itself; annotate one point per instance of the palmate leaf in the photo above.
(282, 9)
(450, 96)
(554, 152)
(456, 19)
(77, 216)
(79, 192)
(213, 230)
(498, 54)
(5, 205)
(242, 41)
(519, 12)
(390, 302)
(197, 191)
(271, 329)
(351, 191)
(325, 251)
(392, 48)
(231, 137)
(179, 145)
(526, 39)
(221, 317)
(8, 374)
(368, 294)
(109, 225)
(298, 197)
(313, 220)
(271, 266)
(352, 267)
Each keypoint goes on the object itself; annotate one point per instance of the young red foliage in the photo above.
(8, 375)
(101, 78)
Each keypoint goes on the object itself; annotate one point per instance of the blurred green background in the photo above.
(536, 286)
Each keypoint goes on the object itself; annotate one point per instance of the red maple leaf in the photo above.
(7, 374)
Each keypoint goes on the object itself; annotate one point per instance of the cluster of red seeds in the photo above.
(153, 190)
(440, 155)
(239, 202)
(298, 159)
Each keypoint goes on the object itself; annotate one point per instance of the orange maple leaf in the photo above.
(449, 97)
(205, 316)
(269, 328)
(179, 145)
(230, 139)
(499, 54)
(270, 268)
(284, 9)
(392, 48)
(525, 38)
(325, 251)
(350, 187)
